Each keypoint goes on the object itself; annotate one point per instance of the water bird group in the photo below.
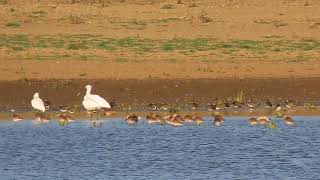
(95, 104)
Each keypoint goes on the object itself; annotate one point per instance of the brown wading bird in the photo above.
(16, 117)
(288, 120)
(253, 121)
(151, 119)
(63, 117)
(42, 118)
(132, 119)
(218, 120)
(188, 118)
(199, 120)
(263, 120)
(176, 120)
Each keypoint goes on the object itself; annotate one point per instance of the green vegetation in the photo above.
(13, 24)
(272, 44)
(167, 6)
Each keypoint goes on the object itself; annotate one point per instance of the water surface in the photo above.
(118, 151)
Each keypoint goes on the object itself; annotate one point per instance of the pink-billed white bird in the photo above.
(37, 103)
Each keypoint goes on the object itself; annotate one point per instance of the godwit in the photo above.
(188, 118)
(263, 120)
(16, 117)
(199, 120)
(288, 120)
(42, 118)
(132, 119)
(176, 121)
(253, 121)
(151, 119)
(218, 120)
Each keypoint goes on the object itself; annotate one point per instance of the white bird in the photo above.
(94, 102)
(37, 103)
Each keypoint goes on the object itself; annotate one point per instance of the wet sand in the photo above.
(137, 94)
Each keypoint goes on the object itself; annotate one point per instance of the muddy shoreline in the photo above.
(136, 94)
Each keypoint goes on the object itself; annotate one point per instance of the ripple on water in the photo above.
(118, 151)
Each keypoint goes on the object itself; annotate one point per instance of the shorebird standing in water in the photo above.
(132, 119)
(15, 117)
(93, 102)
(263, 120)
(252, 121)
(218, 120)
(199, 120)
(288, 120)
(37, 103)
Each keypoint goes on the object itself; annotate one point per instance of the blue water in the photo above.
(118, 151)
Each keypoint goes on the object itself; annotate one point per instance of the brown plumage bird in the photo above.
(132, 119)
(218, 120)
(263, 120)
(253, 121)
(288, 120)
(176, 121)
(16, 117)
(150, 119)
(42, 118)
(198, 120)
(188, 118)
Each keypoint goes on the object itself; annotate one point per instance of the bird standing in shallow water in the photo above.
(252, 121)
(199, 120)
(263, 120)
(218, 120)
(93, 102)
(37, 103)
(288, 120)
(132, 119)
(16, 117)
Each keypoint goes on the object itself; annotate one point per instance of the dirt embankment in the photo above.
(138, 93)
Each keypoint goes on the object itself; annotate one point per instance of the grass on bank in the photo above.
(138, 45)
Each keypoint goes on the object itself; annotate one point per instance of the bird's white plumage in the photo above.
(37, 103)
(93, 102)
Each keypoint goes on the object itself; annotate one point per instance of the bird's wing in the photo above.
(89, 103)
(37, 103)
(102, 102)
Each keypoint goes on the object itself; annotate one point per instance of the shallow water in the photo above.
(118, 151)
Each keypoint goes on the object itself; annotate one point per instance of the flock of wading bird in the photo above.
(95, 104)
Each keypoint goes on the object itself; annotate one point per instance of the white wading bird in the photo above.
(92, 102)
(37, 103)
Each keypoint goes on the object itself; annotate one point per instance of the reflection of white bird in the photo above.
(37, 103)
(94, 102)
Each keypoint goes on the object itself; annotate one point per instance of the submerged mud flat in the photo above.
(137, 94)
